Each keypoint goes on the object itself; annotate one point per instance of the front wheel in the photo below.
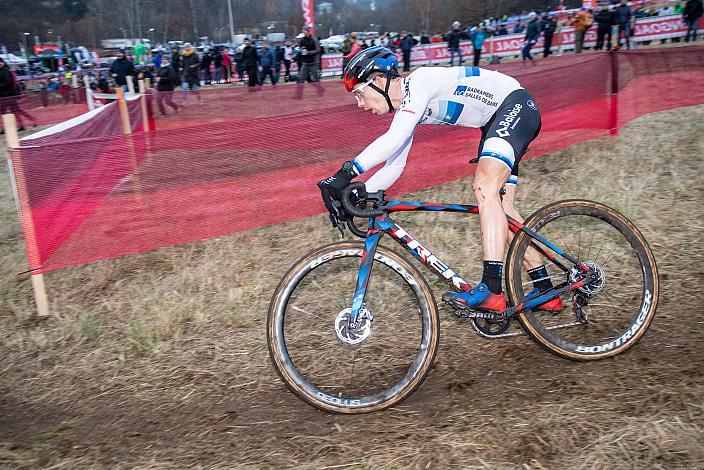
(611, 313)
(372, 368)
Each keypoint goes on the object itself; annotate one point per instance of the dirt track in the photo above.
(159, 360)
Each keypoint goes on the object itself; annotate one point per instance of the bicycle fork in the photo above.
(365, 273)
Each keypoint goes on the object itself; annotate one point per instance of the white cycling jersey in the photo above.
(461, 96)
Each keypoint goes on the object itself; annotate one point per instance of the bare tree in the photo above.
(425, 10)
(193, 17)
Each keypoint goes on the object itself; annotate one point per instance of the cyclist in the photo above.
(466, 96)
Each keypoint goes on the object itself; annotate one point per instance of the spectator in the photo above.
(288, 57)
(692, 11)
(355, 47)
(346, 48)
(532, 35)
(279, 53)
(604, 20)
(217, 63)
(227, 65)
(453, 43)
(549, 26)
(406, 44)
(239, 62)
(166, 82)
(384, 40)
(10, 97)
(190, 64)
(666, 11)
(145, 73)
(582, 21)
(622, 18)
(267, 62)
(121, 68)
(478, 36)
(156, 59)
(424, 38)
(176, 64)
(250, 62)
(502, 31)
(518, 29)
(310, 50)
(205, 63)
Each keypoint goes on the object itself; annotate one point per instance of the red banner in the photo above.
(40, 49)
(308, 17)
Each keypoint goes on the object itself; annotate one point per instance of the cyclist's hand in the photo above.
(331, 189)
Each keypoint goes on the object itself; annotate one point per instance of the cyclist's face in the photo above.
(370, 99)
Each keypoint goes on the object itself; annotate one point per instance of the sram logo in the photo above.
(647, 300)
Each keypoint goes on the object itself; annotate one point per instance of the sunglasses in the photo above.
(359, 92)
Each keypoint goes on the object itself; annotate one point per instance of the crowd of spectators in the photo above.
(256, 63)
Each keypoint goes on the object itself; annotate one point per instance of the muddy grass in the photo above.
(159, 360)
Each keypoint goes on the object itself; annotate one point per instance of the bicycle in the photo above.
(346, 342)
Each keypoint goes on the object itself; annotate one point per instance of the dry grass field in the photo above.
(159, 360)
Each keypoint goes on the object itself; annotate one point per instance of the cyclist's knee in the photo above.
(485, 186)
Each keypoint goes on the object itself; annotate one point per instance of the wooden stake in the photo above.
(25, 214)
(143, 103)
(130, 84)
(89, 93)
(124, 114)
(127, 130)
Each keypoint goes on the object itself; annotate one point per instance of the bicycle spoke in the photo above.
(611, 301)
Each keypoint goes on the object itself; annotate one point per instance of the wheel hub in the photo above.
(353, 333)
(596, 279)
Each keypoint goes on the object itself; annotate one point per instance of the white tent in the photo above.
(12, 59)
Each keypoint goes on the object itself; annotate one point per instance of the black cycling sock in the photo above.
(540, 278)
(492, 275)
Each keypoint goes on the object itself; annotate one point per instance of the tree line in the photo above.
(88, 21)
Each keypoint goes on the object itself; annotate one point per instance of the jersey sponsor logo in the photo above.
(427, 115)
(531, 105)
(508, 119)
(408, 111)
(476, 94)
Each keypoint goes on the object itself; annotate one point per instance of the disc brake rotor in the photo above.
(593, 287)
(353, 334)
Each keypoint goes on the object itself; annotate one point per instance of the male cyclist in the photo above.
(464, 96)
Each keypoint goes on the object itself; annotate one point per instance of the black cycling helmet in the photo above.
(377, 59)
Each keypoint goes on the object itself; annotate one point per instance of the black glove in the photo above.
(331, 190)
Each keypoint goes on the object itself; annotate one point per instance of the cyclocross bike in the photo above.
(348, 342)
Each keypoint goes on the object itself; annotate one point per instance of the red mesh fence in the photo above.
(229, 159)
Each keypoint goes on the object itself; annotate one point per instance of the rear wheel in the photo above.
(609, 314)
(368, 369)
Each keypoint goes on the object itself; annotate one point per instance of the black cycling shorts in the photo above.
(517, 121)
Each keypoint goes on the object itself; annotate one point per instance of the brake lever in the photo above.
(336, 220)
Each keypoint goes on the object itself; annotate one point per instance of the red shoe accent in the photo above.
(495, 302)
(555, 305)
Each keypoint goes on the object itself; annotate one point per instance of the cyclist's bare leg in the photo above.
(532, 259)
(489, 178)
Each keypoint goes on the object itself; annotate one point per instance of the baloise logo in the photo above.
(507, 120)
(531, 105)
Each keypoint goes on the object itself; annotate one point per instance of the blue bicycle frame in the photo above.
(381, 224)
